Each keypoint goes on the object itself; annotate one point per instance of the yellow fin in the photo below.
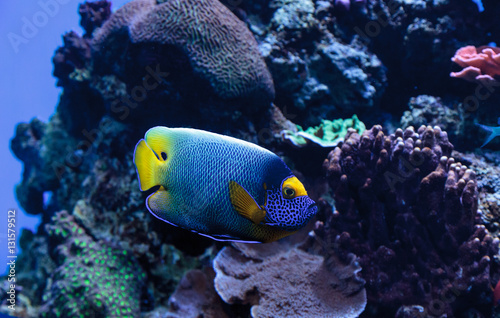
(244, 204)
(147, 165)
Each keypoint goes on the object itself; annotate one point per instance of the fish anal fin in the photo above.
(244, 204)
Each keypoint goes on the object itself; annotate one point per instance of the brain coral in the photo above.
(120, 20)
(219, 46)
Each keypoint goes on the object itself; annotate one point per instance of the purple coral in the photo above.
(408, 210)
(75, 54)
(93, 15)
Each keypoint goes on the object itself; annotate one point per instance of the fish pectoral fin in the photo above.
(244, 204)
(160, 205)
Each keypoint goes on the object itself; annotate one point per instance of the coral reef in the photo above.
(196, 296)
(316, 74)
(119, 21)
(432, 111)
(71, 59)
(334, 77)
(285, 281)
(327, 134)
(487, 169)
(408, 210)
(480, 64)
(413, 215)
(216, 44)
(92, 277)
(93, 15)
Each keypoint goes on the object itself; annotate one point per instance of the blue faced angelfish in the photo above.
(221, 187)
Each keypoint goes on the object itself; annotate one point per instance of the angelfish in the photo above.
(221, 187)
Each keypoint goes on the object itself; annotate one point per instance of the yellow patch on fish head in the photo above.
(292, 188)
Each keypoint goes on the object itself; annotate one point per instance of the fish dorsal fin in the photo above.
(244, 204)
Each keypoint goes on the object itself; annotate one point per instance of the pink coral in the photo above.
(480, 64)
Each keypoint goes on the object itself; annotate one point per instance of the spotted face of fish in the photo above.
(288, 206)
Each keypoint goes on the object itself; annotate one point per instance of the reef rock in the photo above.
(196, 296)
(281, 281)
(432, 111)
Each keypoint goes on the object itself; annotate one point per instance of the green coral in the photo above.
(327, 134)
(93, 279)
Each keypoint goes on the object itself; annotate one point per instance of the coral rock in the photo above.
(74, 55)
(93, 15)
(432, 111)
(196, 297)
(281, 282)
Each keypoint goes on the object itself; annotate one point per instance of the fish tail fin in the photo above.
(492, 134)
(147, 164)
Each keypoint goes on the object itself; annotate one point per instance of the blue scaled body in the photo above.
(220, 186)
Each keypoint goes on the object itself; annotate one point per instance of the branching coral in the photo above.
(480, 64)
(408, 210)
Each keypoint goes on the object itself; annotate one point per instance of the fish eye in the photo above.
(288, 192)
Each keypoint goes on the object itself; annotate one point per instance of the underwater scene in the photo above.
(261, 158)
